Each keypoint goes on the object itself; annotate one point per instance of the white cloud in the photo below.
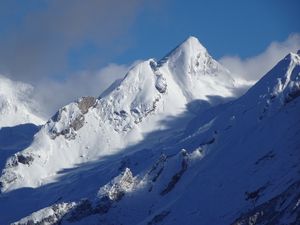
(254, 68)
(51, 95)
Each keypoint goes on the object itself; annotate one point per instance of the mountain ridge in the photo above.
(241, 151)
(147, 94)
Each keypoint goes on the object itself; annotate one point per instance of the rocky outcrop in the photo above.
(85, 103)
(116, 189)
(23, 158)
(161, 83)
(284, 209)
(48, 216)
(83, 209)
(158, 218)
(176, 177)
(70, 118)
(108, 195)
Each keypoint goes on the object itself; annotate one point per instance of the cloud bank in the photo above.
(51, 95)
(52, 38)
(253, 68)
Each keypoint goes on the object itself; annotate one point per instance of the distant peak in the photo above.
(298, 52)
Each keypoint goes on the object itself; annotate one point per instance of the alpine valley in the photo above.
(176, 141)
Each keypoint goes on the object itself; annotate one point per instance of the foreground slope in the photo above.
(236, 163)
(130, 109)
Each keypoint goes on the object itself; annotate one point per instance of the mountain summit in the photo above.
(196, 72)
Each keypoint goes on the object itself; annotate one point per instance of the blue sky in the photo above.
(42, 38)
(225, 27)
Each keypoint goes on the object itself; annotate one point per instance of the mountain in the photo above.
(150, 93)
(171, 143)
(16, 106)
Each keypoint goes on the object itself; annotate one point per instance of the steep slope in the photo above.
(150, 93)
(16, 106)
(187, 62)
(236, 163)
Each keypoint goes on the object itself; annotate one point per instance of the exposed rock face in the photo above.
(158, 218)
(283, 209)
(176, 177)
(107, 196)
(85, 103)
(48, 216)
(83, 209)
(14, 161)
(157, 168)
(60, 125)
(294, 93)
(116, 189)
(168, 170)
(161, 84)
(24, 159)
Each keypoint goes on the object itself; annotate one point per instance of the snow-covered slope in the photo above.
(234, 163)
(150, 93)
(16, 106)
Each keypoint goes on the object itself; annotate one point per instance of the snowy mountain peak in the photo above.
(124, 114)
(16, 106)
(192, 43)
(278, 87)
(189, 49)
(194, 70)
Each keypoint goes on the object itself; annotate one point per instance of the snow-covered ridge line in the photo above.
(149, 93)
(167, 168)
(278, 87)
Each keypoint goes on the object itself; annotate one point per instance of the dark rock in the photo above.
(77, 123)
(177, 176)
(104, 205)
(53, 219)
(159, 218)
(161, 83)
(292, 95)
(85, 103)
(27, 160)
(268, 156)
(83, 209)
(283, 207)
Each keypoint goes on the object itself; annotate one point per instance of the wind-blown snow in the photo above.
(16, 106)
